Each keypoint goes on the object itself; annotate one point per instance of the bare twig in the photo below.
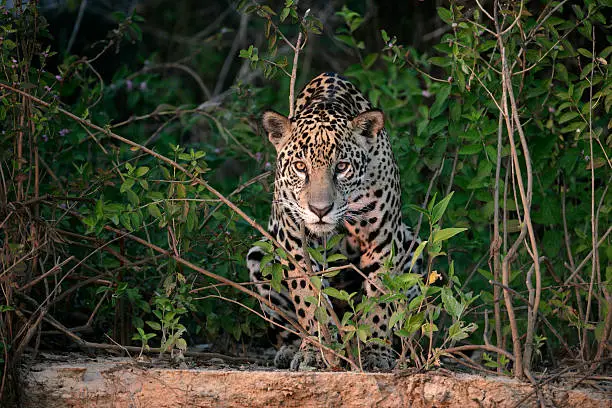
(51, 271)
(296, 53)
(496, 241)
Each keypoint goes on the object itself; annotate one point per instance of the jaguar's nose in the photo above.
(320, 211)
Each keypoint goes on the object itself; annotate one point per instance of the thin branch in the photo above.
(589, 256)
(296, 54)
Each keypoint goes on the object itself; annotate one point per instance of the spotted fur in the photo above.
(335, 171)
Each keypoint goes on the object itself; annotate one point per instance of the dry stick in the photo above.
(516, 341)
(594, 227)
(469, 363)
(546, 381)
(487, 347)
(544, 319)
(589, 255)
(51, 271)
(254, 180)
(323, 272)
(452, 174)
(296, 54)
(568, 248)
(526, 201)
(255, 312)
(28, 336)
(524, 194)
(496, 243)
(425, 202)
(7, 360)
(594, 251)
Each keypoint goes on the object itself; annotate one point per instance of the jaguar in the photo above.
(335, 173)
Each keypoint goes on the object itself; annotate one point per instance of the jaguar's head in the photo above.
(321, 164)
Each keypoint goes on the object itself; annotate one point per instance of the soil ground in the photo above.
(75, 380)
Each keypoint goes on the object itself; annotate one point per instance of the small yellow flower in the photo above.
(433, 276)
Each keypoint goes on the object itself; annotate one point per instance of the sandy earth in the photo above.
(121, 382)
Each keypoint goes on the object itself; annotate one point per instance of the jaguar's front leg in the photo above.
(372, 261)
(306, 298)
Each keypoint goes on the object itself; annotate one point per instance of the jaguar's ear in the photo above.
(278, 128)
(370, 122)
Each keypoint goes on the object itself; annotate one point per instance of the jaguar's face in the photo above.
(320, 166)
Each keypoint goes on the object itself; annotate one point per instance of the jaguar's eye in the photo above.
(342, 166)
(299, 166)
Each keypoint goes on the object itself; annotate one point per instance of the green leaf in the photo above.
(316, 282)
(141, 171)
(428, 328)
(445, 15)
(451, 305)
(181, 344)
(99, 210)
(333, 241)
(284, 14)
(127, 185)
(126, 221)
(277, 277)
(265, 245)
(363, 332)
(396, 317)
(414, 322)
(133, 198)
(418, 209)
(331, 274)
(153, 325)
(470, 149)
(345, 318)
(440, 208)
(316, 255)
(337, 294)
(416, 302)
(441, 98)
(321, 315)
(446, 233)
(265, 261)
(336, 257)
(384, 36)
(154, 210)
(440, 61)
(417, 253)
(408, 280)
(369, 61)
(586, 70)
